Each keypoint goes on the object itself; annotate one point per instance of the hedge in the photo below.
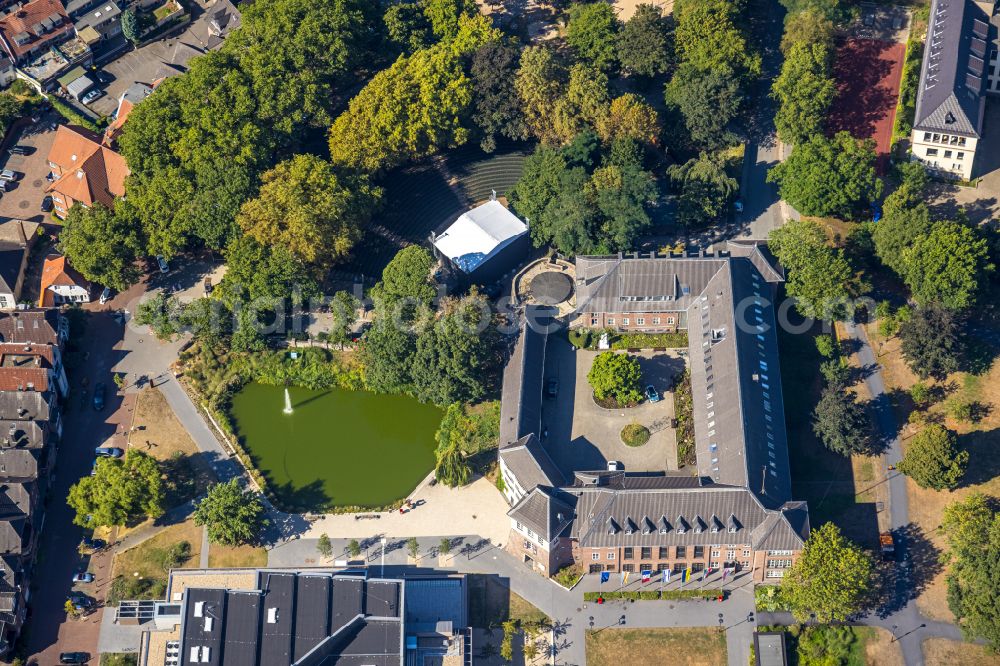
(588, 338)
(654, 595)
(72, 115)
(907, 107)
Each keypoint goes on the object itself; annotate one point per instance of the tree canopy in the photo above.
(832, 578)
(119, 490)
(818, 275)
(808, 26)
(407, 276)
(616, 377)
(947, 265)
(497, 106)
(932, 341)
(709, 101)
(102, 246)
(708, 37)
(933, 460)
(592, 33)
(645, 43)
(231, 516)
(305, 206)
(629, 117)
(972, 530)
(804, 90)
(841, 422)
(829, 177)
(705, 189)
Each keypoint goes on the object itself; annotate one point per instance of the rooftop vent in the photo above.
(949, 118)
(272, 615)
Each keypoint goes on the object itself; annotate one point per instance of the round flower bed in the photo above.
(635, 435)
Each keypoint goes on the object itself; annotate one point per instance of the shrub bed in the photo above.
(588, 338)
(635, 435)
(684, 414)
(654, 595)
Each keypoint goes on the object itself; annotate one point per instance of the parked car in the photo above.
(8, 175)
(105, 295)
(162, 263)
(94, 94)
(108, 452)
(74, 657)
(46, 203)
(83, 577)
(651, 394)
(99, 396)
(103, 77)
(81, 601)
(615, 466)
(738, 205)
(93, 468)
(552, 388)
(19, 150)
(4, 185)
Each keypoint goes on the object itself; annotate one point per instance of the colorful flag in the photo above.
(725, 572)
(624, 578)
(685, 575)
(646, 575)
(605, 575)
(705, 572)
(666, 575)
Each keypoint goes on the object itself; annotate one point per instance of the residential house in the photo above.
(282, 617)
(39, 327)
(33, 28)
(17, 356)
(134, 94)
(101, 16)
(735, 515)
(7, 73)
(959, 68)
(86, 172)
(16, 240)
(61, 284)
(221, 19)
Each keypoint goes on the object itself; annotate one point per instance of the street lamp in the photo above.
(382, 575)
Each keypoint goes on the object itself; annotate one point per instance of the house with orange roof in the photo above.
(34, 28)
(61, 284)
(86, 171)
(134, 94)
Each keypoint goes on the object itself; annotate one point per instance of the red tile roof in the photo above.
(56, 272)
(32, 25)
(91, 172)
(18, 379)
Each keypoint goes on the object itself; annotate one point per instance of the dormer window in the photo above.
(681, 525)
(612, 526)
(647, 526)
(699, 525)
(716, 525)
(629, 526)
(734, 525)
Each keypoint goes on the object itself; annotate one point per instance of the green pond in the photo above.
(337, 448)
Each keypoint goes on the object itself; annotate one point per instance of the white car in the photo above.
(105, 295)
(96, 93)
(615, 466)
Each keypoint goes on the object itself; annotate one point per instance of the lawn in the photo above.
(943, 652)
(927, 506)
(234, 557)
(491, 603)
(148, 557)
(157, 431)
(653, 647)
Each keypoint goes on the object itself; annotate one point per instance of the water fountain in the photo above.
(288, 403)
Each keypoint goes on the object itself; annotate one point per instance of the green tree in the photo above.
(444, 15)
(645, 43)
(162, 313)
(353, 548)
(903, 221)
(826, 345)
(324, 546)
(407, 26)
(413, 547)
(808, 26)
(118, 491)
(972, 531)
(407, 276)
(444, 547)
(452, 469)
(805, 90)
(452, 358)
(709, 101)
(130, 26)
(948, 265)
(102, 245)
(306, 207)
(818, 275)
(832, 578)
(208, 319)
(707, 38)
(540, 83)
(412, 109)
(932, 342)
(232, 516)
(829, 177)
(498, 108)
(593, 33)
(620, 196)
(387, 355)
(344, 308)
(629, 117)
(933, 460)
(835, 373)
(616, 377)
(828, 9)
(705, 189)
(585, 104)
(841, 422)
(257, 272)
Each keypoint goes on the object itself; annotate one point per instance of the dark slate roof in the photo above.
(16, 500)
(546, 511)
(530, 463)
(786, 529)
(11, 257)
(26, 405)
(40, 327)
(950, 95)
(635, 481)
(22, 434)
(18, 464)
(641, 284)
(305, 619)
(521, 401)
(14, 536)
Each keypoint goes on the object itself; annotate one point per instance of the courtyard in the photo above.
(584, 436)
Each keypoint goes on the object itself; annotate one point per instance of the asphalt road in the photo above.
(47, 631)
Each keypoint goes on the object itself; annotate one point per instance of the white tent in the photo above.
(479, 235)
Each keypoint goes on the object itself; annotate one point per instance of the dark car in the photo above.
(108, 452)
(99, 396)
(552, 388)
(96, 544)
(46, 203)
(20, 150)
(81, 601)
(74, 657)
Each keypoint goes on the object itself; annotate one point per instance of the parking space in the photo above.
(580, 435)
(24, 200)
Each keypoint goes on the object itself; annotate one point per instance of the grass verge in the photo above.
(234, 557)
(654, 647)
